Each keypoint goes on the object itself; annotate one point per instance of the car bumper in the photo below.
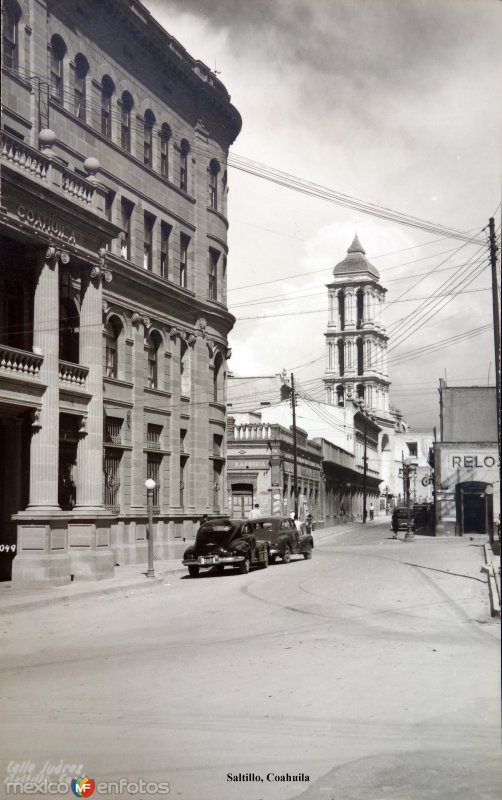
(274, 551)
(213, 561)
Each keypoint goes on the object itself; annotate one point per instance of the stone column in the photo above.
(89, 530)
(44, 453)
(138, 491)
(42, 551)
(90, 448)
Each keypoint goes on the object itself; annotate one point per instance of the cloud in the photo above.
(391, 101)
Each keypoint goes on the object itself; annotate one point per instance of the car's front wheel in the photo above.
(193, 570)
(286, 556)
(244, 566)
(308, 552)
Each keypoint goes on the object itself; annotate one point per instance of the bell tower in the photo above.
(356, 340)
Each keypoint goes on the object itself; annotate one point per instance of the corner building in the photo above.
(113, 317)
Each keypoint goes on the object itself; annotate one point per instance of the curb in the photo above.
(492, 572)
(94, 591)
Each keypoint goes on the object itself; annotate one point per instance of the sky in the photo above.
(393, 102)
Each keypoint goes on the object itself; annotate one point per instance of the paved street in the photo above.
(373, 669)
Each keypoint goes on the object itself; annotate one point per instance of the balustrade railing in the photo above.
(251, 430)
(21, 155)
(73, 374)
(19, 361)
(78, 187)
(45, 168)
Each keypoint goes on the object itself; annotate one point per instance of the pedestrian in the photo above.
(204, 519)
(255, 512)
(298, 525)
(342, 512)
(372, 511)
(395, 523)
(308, 524)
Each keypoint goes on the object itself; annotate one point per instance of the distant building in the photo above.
(260, 468)
(338, 433)
(113, 304)
(466, 461)
(356, 371)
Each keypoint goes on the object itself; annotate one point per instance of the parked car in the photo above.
(400, 514)
(226, 542)
(283, 539)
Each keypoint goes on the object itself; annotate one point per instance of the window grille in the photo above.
(112, 460)
(153, 463)
(113, 430)
(153, 434)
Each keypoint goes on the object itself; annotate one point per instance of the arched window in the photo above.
(341, 310)
(148, 123)
(341, 357)
(10, 19)
(165, 135)
(107, 92)
(81, 70)
(359, 308)
(152, 368)
(112, 332)
(360, 391)
(125, 121)
(58, 52)
(217, 388)
(185, 368)
(340, 396)
(214, 169)
(184, 151)
(360, 357)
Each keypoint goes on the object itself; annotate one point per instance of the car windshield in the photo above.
(264, 526)
(218, 533)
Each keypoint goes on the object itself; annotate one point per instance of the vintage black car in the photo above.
(283, 539)
(226, 542)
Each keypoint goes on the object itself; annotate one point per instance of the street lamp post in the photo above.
(386, 493)
(150, 486)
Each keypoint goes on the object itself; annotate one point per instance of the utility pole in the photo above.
(365, 465)
(441, 384)
(295, 456)
(496, 319)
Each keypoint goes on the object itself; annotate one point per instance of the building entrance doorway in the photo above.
(474, 508)
(14, 481)
(242, 499)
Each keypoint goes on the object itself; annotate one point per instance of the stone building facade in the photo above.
(113, 316)
(261, 468)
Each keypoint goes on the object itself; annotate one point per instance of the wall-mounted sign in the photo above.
(47, 223)
(248, 464)
(471, 461)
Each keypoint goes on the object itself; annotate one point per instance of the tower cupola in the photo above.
(356, 340)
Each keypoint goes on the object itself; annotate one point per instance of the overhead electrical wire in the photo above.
(284, 179)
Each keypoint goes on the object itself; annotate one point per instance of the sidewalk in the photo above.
(133, 578)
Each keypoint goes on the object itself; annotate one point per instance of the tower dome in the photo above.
(355, 262)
